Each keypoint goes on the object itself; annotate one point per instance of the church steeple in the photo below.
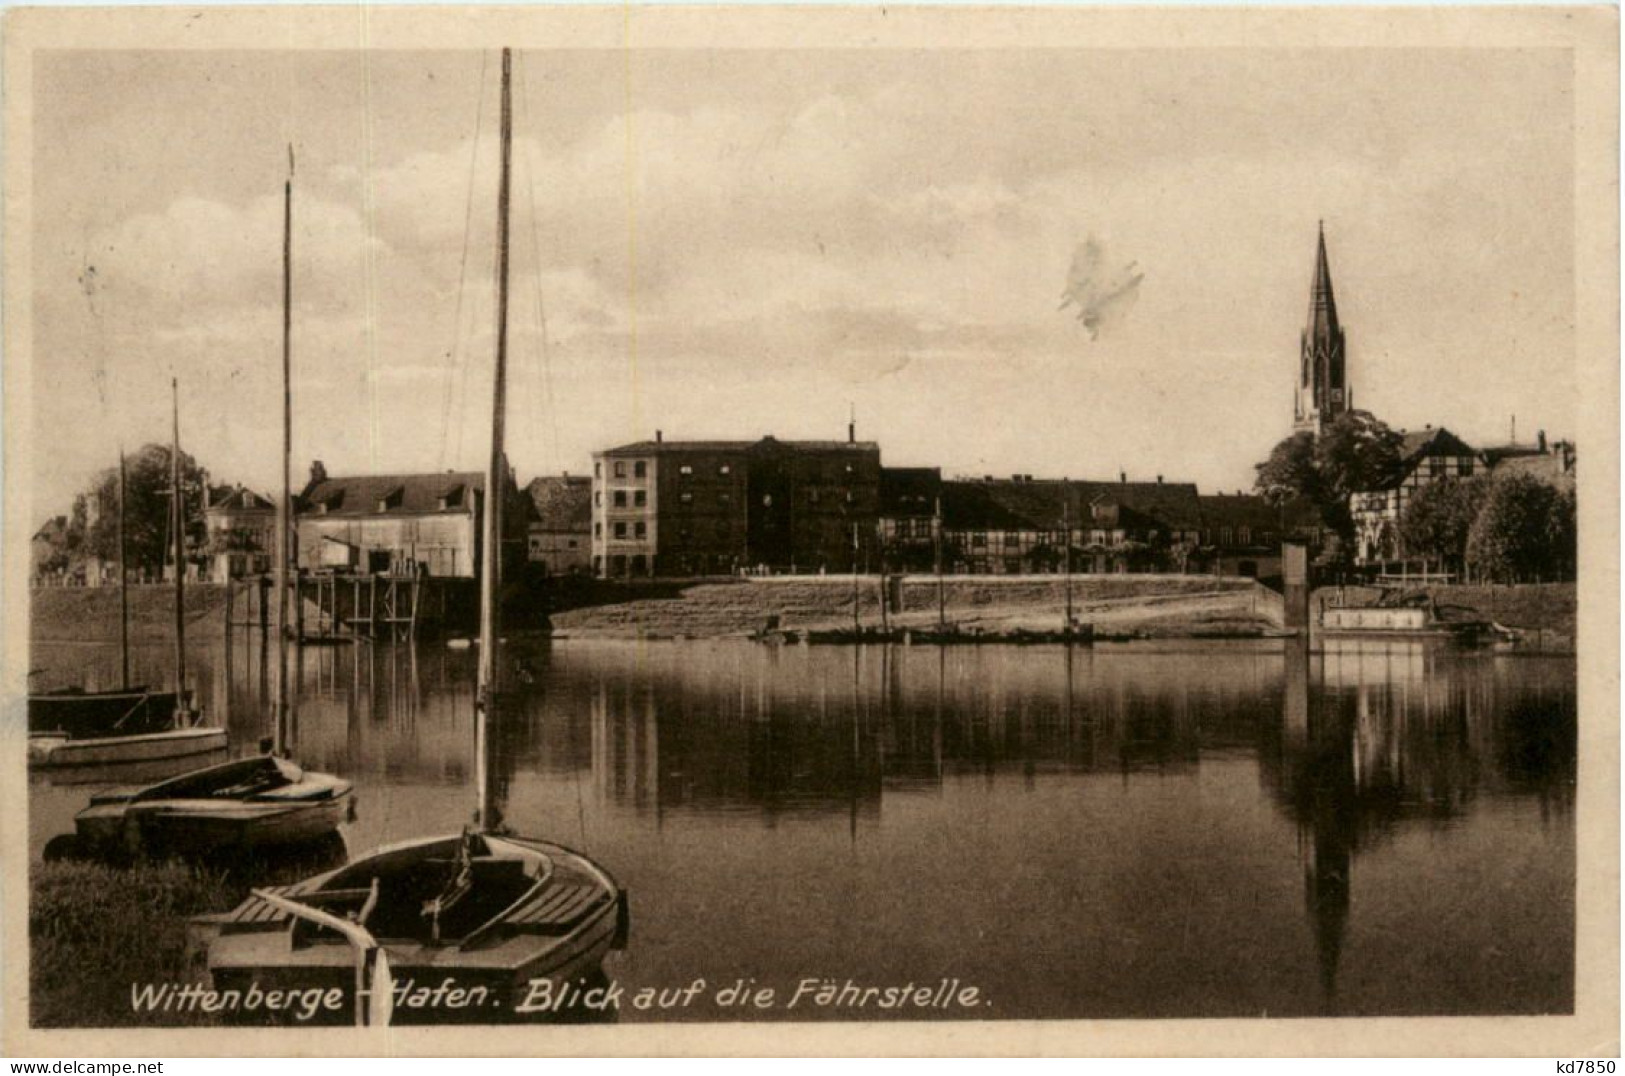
(1323, 392)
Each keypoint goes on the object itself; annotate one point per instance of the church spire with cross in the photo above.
(1323, 391)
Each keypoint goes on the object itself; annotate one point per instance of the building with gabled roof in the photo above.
(240, 529)
(400, 524)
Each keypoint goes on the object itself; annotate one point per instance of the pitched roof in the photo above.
(562, 502)
(239, 498)
(404, 494)
(1433, 441)
(909, 490)
(1048, 504)
(1554, 468)
(655, 448)
(54, 530)
(1240, 510)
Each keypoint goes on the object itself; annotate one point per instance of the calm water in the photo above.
(1126, 832)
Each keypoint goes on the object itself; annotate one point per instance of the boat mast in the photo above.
(1066, 525)
(942, 603)
(123, 581)
(495, 485)
(279, 698)
(178, 517)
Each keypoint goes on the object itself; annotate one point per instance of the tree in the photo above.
(1439, 516)
(146, 517)
(1355, 452)
(1523, 532)
(1290, 471)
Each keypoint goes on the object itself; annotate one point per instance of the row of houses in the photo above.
(688, 508)
(697, 508)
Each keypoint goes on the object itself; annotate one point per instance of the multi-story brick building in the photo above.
(684, 508)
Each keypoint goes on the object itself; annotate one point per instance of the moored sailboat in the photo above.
(245, 804)
(482, 913)
(78, 730)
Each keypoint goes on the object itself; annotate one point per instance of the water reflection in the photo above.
(1149, 831)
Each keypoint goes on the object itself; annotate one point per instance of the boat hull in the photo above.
(524, 968)
(49, 751)
(87, 714)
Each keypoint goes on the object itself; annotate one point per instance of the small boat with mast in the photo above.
(482, 911)
(70, 729)
(246, 804)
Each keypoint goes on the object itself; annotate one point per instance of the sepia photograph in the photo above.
(786, 525)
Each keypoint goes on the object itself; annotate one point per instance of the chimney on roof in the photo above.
(1159, 480)
(852, 424)
(318, 472)
(659, 436)
(1540, 440)
(1122, 477)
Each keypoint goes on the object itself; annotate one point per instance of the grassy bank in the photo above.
(1149, 605)
(91, 614)
(94, 930)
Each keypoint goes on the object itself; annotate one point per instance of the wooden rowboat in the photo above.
(476, 928)
(242, 805)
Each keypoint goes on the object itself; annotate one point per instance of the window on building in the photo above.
(597, 530)
(725, 469)
(812, 496)
(640, 530)
(1244, 535)
(640, 469)
(1225, 536)
(620, 498)
(597, 469)
(978, 541)
(620, 530)
(598, 497)
(640, 499)
(848, 496)
(725, 498)
(620, 468)
(685, 469)
(1011, 539)
(1435, 467)
(573, 544)
(686, 498)
(1466, 466)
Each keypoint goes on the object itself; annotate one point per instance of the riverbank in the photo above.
(91, 614)
(1163, 606)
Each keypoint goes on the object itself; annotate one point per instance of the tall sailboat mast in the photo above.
(123, 580)
(279, 698)
(495, 483)
(177, 510)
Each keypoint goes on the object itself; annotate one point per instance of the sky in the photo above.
(732, 244)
